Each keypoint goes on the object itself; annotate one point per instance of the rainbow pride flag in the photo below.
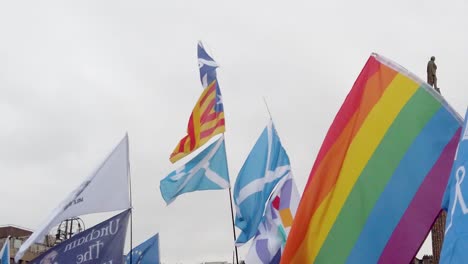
(377, 183)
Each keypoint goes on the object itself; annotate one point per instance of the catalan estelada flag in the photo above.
(207, 118)
(377, 183)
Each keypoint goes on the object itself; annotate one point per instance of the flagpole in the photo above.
(268, 109)
(131, 203)
(233, 227)
(232, 208)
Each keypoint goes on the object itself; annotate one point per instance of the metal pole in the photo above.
(131, 203)
(232, 210)
(268, 109)
(233, 226)
(71, 227)
(67, 235)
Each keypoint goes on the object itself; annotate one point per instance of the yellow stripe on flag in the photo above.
(372, 131)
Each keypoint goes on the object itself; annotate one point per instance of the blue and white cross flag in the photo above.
(206, 171)
(265, 166)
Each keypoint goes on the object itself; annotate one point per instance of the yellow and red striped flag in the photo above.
(207, 118)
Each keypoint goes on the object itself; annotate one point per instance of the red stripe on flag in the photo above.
(211, 117)
(209, 131)
(207, 111)
(182, 144)
(191, 134)
(211, 88)
(346, 112)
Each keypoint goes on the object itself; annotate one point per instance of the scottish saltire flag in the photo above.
(5, 252)
(206, 171)
(272, 233)
(454, 248)
(265, 166)
(378, 180)
(207, 66)
(207, 118)
(145, 253)
(105, 189)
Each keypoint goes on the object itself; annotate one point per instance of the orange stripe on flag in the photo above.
(325, 176)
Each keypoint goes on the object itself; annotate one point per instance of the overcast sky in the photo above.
(76, 75)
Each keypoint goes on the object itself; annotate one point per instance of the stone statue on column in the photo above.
(431, 74)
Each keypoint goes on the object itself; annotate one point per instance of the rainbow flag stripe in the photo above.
(377, 183)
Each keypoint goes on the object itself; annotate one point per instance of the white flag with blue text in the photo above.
(206, 171)
(106, 189)
(265, 166)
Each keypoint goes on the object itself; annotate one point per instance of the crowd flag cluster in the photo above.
(393, 158)
(266, 166)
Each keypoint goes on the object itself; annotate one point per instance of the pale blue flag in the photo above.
(207, 171)
(454, 248)
(265, 166)
(5, 252)
(145, 253)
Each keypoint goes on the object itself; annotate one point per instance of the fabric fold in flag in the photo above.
(145, 253)
(207, 118)
(269, 242)
(106, 189)
(454, 248)
(207, 66)
(5, 252)
(377, 183)
(102, 243)
(265, 166)
(206, 171)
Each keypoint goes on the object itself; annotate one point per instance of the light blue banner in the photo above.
(455, 246)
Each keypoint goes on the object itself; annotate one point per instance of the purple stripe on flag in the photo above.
(277, 258)
(274, 213)
(415, 224)
(263, 253)
(285, 200)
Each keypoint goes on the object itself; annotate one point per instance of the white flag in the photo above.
(269, 242)
(107, 189)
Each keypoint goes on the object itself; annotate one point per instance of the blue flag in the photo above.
(207, 66)
(102, 243)
(454, 248)
(265, 166)
(206, 171)
(145, 253)
(5, 252)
